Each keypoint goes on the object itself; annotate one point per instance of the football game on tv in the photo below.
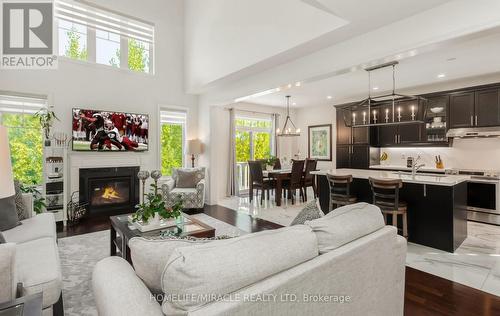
(109, 131)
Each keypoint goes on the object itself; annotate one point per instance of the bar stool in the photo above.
(386, 196)
(340, 190)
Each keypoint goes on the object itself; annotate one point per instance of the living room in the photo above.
(158, 157)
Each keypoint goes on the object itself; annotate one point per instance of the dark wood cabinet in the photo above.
(360, 135)
(343, 131)
(487, 108)
(409, 133)
(360, 157)
(461, 110)
(343, 156)
(434, 131)
(387, 135)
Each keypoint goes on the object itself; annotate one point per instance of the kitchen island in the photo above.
(437, 203)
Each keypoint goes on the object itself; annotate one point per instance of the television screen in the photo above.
(109, 131)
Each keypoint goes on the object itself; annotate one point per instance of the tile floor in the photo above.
(476, 263)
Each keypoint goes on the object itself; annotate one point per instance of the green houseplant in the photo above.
(46, 118)
(270, 162)
(38, 201)
(153, 206)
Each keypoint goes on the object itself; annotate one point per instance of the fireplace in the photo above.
(109, 191)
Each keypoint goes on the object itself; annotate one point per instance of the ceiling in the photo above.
(229, 40)
(468, 57)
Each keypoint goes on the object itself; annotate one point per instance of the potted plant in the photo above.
(270, 162)
(38, 201)
(152, 210)
(46, 118)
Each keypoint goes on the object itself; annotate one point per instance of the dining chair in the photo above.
(277, 164)
(340, 191)
(309, 179)
(258, 181)
(295, 181)
(386, 196)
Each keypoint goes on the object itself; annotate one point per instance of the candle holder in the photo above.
(364, 118)
(413, 113)
(375, 117)
(353, 118)
(387, 115)
(399, 114)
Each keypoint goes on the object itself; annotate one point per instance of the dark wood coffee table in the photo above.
(122, 231)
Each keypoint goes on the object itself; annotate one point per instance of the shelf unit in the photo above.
(55, 181)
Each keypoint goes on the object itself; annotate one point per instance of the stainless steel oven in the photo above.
(483, 195)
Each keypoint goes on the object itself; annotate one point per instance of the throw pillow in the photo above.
(187, 178)
(2, 239)
(308, 213)
(22, 210)
(150, 255)
(346, 224)
(8, 213)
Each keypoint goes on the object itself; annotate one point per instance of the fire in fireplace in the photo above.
(109, 190)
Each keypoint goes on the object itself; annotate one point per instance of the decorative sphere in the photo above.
(156, 174)
(143, 175)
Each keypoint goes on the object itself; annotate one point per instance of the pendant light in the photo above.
(289, 128)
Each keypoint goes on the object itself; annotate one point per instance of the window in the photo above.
(25, 136)
(72, 40)
(254, 141)
(90, 32)
(172, 140)
(107, 48)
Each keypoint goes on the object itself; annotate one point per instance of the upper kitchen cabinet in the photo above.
(487, 108)
(462, 110)
(343, 131)
(435, 127)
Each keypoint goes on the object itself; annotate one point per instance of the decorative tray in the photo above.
(163, 223)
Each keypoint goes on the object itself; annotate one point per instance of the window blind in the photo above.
(21, 104)
(172, 117)
(93, 16)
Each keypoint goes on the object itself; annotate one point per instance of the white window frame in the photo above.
(92, 40)
(178, 109)
(253, 130)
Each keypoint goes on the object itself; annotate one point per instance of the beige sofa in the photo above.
(343, 264)
(29, 262)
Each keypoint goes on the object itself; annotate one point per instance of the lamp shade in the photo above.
(194, 147)
(6, 180)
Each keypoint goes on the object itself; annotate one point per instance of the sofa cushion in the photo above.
(8, 273)
(346, 224)
(309, 212)
(39, 226)
(21, 208)
(150, 255)
(39, 269)
(187, 178)
(224, 266)
(8, 213)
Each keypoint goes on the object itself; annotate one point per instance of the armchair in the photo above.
(192, 196)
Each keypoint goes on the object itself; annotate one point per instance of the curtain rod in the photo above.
(249, 111)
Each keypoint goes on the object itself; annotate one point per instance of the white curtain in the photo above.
(232, 186)
(275, 118)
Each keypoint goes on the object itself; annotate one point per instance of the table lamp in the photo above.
(193, 148)
(6, 180)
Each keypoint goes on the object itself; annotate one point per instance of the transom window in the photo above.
(91, 33)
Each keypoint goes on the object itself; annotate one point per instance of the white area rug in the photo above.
(79, 254)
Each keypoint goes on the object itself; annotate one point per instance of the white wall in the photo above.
(81, 84)
(316, 115)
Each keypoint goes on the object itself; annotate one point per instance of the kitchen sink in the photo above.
(405, 173)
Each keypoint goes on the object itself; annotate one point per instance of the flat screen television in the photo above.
(95, 130)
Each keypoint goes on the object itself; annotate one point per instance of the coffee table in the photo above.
(122, 231)
(30, 305)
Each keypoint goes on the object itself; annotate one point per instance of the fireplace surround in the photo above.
(109, 191)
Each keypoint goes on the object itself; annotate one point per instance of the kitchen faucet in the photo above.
(415, 167)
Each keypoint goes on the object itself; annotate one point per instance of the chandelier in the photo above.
(289, 128)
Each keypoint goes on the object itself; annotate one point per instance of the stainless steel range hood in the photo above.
(474, 132)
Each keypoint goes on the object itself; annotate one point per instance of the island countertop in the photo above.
(430, 179)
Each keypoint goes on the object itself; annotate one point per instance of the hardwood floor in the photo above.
(425, 294)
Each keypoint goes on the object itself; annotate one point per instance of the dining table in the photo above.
(279, 175)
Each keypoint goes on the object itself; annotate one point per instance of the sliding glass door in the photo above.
(254, 141)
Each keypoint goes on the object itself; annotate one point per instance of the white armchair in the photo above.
(192, 197)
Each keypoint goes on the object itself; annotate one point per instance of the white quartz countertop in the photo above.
(405, 168)
(431, 179)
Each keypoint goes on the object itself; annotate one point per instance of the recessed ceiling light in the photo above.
(298, 84)
(289, 85)
(329, 97)
(278, 89)
(294, 103)
(375, 88)
(441, 75)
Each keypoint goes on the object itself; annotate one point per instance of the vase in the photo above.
(179, 221)
(155, 220)
(269, 168)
